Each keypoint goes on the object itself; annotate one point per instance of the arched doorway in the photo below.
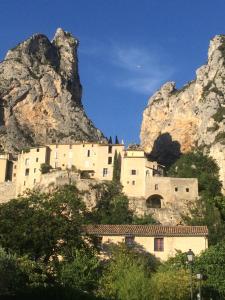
(154, 201)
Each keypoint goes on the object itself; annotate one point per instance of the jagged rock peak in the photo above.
(178, 121)
(40, 94)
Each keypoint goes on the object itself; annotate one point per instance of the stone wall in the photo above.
(7, 191)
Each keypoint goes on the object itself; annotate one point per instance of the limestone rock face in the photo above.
(177, 121)
(40, 94)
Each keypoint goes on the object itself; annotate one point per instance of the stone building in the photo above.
(162, 241)
(143, 181)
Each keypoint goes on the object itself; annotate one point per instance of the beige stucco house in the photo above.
(141, 179)
(162, 241)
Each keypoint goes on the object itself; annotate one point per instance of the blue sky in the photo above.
(128, 48)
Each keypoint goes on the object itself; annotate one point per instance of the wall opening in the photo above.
(154, 201)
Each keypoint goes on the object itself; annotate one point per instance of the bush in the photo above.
(85, 175)
(45, 168)
(219, 115)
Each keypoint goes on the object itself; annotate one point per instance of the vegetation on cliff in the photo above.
(208, 210)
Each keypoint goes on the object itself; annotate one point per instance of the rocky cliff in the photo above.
(177, 121)
(40, 94)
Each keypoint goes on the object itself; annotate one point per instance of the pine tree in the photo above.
(110, 140)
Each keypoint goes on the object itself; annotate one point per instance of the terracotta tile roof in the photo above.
(145, 230)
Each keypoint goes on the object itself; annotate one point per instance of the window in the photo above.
(133, 182)
(176, 189)
(27, 162)
(156, 186)
(14, 175)
(110, 149)
(24, 183)
(129, 240)
(38, 149)
(158, 244)
(109, 160)
(187, 190)
(36, 159)
(88, 153)
(34, 170)
(133, 172)
(15, 167)
(34, 181)
(105, 172)
(27, 171)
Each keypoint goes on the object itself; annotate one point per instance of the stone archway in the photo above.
(154, 201)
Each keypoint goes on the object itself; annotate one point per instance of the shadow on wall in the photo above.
(165, 151)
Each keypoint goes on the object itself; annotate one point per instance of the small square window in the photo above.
(133, 172)
(14, 175)
(88, 153)
(133, 182)
(24, 183)
(109, 160)
(27, 171)
(34, 170)
(38, 149)
(187, 190)
(36, 159)
(176, 189)
(156, 186)
(158, 244)
(15, 167)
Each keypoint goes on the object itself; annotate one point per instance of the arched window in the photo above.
(154, 201)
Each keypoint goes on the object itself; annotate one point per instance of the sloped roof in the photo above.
(145, 230)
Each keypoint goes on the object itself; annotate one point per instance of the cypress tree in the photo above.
(116, 167)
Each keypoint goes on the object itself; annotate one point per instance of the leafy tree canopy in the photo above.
(42, 225)
(127, 276)
(112, 205)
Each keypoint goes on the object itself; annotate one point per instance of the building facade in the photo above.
(140, 178)
(161, 241)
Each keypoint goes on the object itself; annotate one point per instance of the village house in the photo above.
(162, 241)
(140, 178)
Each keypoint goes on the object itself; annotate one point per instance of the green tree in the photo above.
(43, 225)
(170, 284)
(112, 205)
(127, 276)
(82, 271)
(20, 273)
(45, 168)
(116, 167)
(211, 263)
(144, 220)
